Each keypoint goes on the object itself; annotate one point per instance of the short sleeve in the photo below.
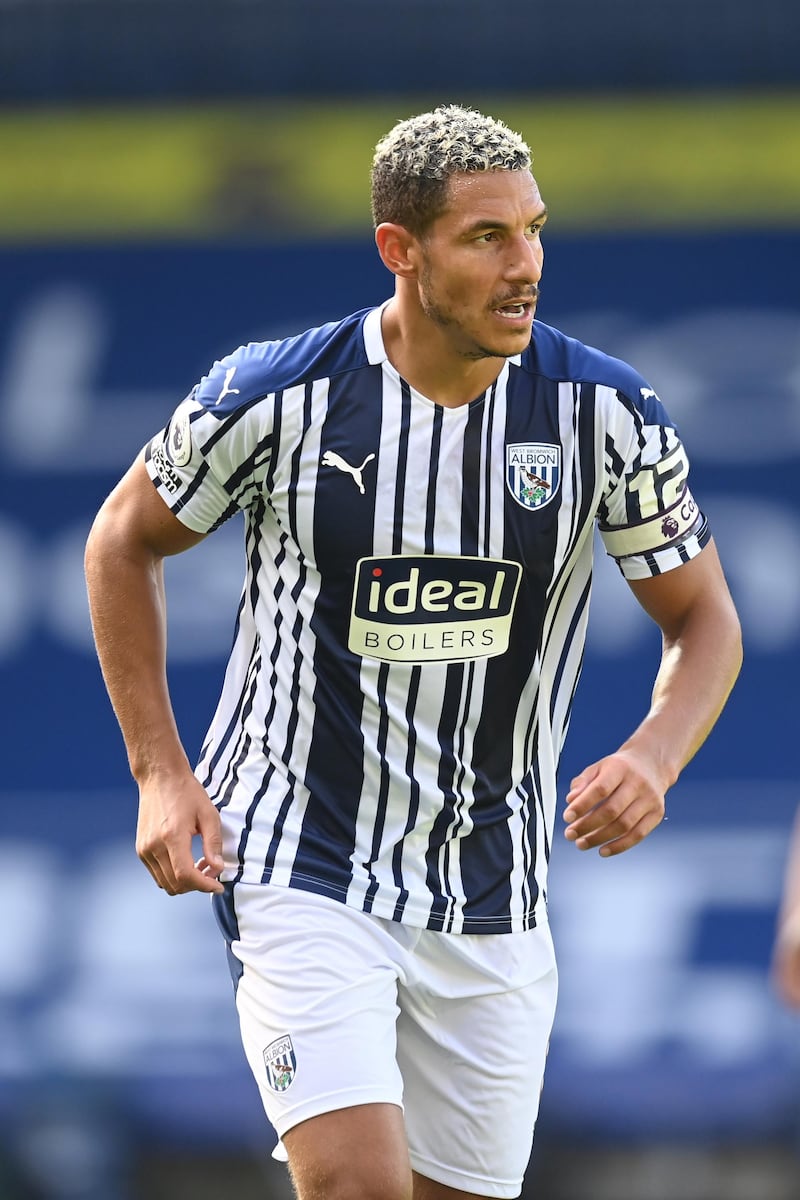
(649, 521)
(212, 459)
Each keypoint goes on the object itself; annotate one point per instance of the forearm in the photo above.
(132, 534)
(698, 669)
(127, 604)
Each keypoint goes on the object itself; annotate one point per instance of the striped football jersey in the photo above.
(412, 623)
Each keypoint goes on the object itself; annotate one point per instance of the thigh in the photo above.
(472, 1047)
(317, 1002)
(355, 1153)
(429, 1189)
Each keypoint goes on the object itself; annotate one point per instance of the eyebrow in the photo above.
(541, 215)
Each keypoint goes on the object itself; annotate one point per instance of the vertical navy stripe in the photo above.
(383, 788)
(383, 671)
(433, 475)
(248, 692)
(344, 521)
(473, 478)
(487, 470)
(530, 538)
(402, 468)
(413, 796)
(451, 704)
(225, 913)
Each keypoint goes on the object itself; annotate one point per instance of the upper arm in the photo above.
(696, 589)
(135, 518)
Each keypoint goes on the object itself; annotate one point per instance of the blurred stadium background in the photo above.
(179, 177)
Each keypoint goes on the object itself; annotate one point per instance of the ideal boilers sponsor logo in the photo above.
(533, 472)
(418, 609)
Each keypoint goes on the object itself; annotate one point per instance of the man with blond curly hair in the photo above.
(376, 795)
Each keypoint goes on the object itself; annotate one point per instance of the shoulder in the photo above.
(563, 359)
(260, 368)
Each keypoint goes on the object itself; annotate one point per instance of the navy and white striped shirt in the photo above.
(412, 624)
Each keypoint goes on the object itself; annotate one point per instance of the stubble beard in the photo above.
(465, 346)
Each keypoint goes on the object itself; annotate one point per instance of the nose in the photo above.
(525, 259)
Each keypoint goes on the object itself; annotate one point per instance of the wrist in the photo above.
(158, 762)
(661, 765)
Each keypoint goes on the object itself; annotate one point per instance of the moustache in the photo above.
(530, 293)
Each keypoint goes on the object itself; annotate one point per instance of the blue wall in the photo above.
(666, 1023)
(87, 49)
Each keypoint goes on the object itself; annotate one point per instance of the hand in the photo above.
(613, 804)
(171, 811)
(786, 961)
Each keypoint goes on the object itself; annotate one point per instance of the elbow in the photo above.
(93, 550)
(108, 545)
(99, 547)
(730, 642)
(735, 638)
(739, 649)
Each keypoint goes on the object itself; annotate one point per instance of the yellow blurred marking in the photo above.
(272, 170)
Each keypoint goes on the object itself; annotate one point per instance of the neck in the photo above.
(425, 357)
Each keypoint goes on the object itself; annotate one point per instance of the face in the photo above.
(481, 261)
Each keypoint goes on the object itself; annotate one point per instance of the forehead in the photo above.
(503, 196)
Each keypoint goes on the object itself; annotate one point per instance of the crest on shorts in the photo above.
(281, 1064)
(533, 472)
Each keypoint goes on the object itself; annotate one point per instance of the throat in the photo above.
(455, 389)
(446, 369)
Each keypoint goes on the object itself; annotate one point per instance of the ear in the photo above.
(397, 248)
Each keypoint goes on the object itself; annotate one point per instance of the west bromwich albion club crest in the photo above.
(533, 472)
(281, 1064)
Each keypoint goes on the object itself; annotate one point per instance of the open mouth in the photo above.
(518, 308)
(515, 310)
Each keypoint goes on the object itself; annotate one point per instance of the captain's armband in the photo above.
(663, 529)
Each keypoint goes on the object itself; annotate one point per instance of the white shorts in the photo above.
(338, 1007)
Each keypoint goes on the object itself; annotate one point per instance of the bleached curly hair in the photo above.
(413, 163)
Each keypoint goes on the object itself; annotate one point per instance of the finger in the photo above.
(178, 877)
(579, 784)
(158, 875)
(210, 830)
(196, 878)
(632, 838)
(150, 859)
(598, 783)
(611, 808)
(209, 871)
(615, 819)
